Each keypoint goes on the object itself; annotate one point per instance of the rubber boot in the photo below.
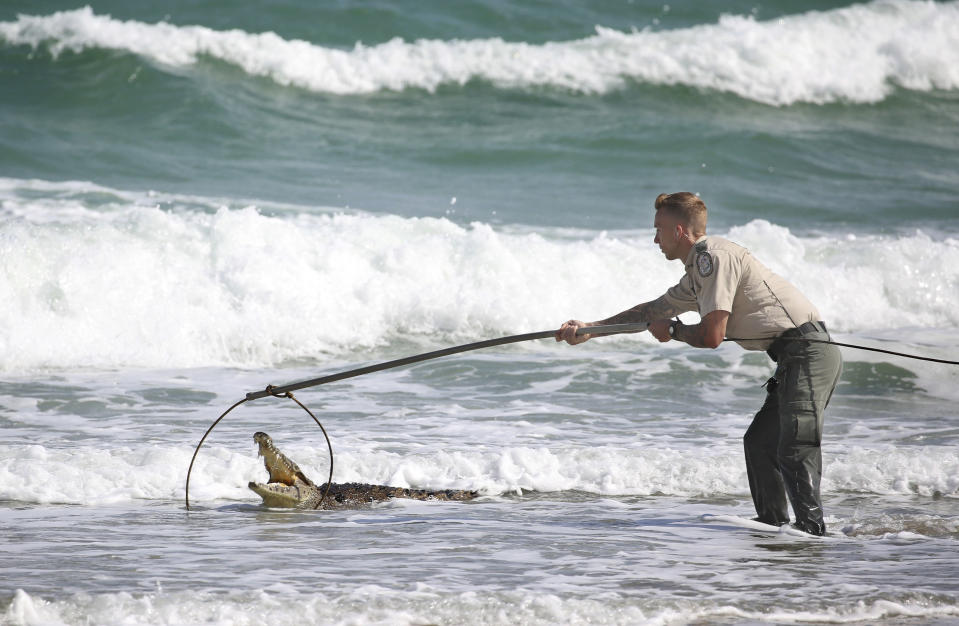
(761, 443)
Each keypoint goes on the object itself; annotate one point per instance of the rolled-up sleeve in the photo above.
(681, 295)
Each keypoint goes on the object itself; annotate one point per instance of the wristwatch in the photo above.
(672, 328)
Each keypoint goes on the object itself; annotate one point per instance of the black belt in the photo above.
(803, 329)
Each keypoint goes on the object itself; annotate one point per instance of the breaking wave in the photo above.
(94, 277)
(38, 474)
(857, 54)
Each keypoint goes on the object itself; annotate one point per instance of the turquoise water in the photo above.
(512, 142)
(198, 199)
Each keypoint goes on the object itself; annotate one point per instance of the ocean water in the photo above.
(198, 199)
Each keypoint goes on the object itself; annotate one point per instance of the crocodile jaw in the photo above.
(283, 496)
(287, 486)
(281, 469)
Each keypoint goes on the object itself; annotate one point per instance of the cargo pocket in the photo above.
(806, 424)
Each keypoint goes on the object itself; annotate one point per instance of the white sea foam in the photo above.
(377, 605)
(99, 278)
(128, 284)
(103, 475)
(857, 54)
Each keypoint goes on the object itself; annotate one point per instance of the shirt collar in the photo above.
(691, 257)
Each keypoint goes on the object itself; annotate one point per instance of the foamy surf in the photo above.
(129, 320)
(101, 475)
(425, 604)
(87, 269)
(408, 607)
(854, 54)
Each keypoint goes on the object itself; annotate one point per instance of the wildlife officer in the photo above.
(739, 297)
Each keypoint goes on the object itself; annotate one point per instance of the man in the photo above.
(738, 296)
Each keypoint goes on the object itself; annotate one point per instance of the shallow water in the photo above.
(593, 486)
(197, 201)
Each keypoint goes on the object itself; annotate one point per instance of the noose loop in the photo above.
(286, 390)
(329, 480)
(270, 390)
(596, 331)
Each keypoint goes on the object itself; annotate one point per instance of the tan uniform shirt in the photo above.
(723, 276)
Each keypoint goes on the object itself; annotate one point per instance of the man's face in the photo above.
(667, 235)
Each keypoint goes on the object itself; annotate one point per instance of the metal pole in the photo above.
(612, 329)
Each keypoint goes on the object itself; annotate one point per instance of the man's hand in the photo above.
(660, 330)
(567, 332)
(708, 333)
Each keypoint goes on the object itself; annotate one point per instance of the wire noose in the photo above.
(600, 330)
(269, 390)
(329, 480)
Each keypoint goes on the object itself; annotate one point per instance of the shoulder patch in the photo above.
(704, 264)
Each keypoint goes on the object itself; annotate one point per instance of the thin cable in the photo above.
(329, 481)
(286, 390)
(596, 330)
(857, 347)
(195, 452)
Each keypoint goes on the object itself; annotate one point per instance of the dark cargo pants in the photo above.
(783, 456)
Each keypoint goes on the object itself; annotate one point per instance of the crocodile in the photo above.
(289, 487)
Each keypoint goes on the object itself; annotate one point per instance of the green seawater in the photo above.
(534, 155)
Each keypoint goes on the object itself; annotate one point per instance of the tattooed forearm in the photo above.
(708, 333)
(694, 335)
(658, 309)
